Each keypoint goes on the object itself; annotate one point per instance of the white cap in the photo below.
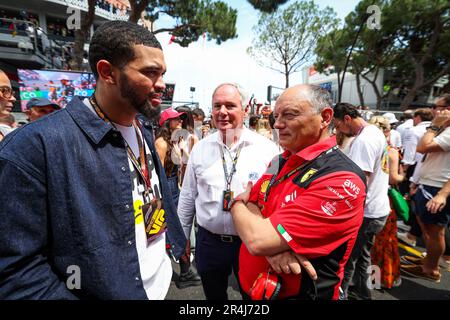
(391, 117)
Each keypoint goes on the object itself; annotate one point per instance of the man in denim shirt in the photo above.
(85, 205)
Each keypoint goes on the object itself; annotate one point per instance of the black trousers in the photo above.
(216, 256)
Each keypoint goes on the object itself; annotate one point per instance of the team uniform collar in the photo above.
(313, 151)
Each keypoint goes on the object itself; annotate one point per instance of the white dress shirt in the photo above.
(204, 180)
(404, 126)
(410, 141)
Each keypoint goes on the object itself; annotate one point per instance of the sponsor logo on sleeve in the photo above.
(328, 207)
(351, 189)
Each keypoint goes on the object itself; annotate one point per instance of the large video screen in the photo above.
(58, 86)
(167, 96)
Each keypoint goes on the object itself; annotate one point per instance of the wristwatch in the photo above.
(434, 128)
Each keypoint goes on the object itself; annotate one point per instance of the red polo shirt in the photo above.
(317, 211)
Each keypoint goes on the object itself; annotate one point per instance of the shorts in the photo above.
(422, 196)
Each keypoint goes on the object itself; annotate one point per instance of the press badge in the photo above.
(154, 219)
(227, 197)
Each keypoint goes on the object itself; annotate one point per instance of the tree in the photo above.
(375, 50)
(267, 6)
(285, 40)
(191, 19)
(424, 36)
(331, 53)
(412, 48)
(81, 34)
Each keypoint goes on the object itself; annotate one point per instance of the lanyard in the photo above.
(229, 177)
(273, 182)
(141, 166)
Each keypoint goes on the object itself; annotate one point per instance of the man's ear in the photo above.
(106, 71)
(347, 118)
(327, 116)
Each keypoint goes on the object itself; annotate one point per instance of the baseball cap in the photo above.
(169, 114)
(391, 117)
(41, 102)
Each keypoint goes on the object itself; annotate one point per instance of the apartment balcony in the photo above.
(83, 5)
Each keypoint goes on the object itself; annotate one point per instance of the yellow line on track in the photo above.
(410, 250)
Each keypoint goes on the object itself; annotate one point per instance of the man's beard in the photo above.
(143, 106)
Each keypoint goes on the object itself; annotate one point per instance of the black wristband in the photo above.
(434, 128)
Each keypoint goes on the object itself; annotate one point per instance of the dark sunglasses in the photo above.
(440, 106)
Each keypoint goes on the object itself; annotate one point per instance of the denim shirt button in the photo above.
(127, 206)
(115, 135)
(124, 169)
(137, 279)
(130, 243)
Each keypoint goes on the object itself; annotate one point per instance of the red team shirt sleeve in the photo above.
(322, 217)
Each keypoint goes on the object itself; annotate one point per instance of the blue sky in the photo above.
(204, 65)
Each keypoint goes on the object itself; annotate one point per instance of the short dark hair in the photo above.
(345, 109)
(114, 41)
(187, 117)
(198, 112)
(425, 114)
(253, 120)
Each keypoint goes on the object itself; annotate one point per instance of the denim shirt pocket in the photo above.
(94, 228)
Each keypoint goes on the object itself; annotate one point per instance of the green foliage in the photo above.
(192, 18)
(267, 6)
(412, 46)
(285, 40)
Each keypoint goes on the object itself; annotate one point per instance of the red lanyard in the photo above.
(141, 166)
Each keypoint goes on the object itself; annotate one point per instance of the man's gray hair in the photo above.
(242, 93)
(319, 98)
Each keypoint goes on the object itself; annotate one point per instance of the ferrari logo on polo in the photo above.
(308, 175)
(264, 186)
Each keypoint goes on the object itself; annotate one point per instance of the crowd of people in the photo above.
(296, 203)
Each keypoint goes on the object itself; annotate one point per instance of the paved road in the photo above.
(410, 288)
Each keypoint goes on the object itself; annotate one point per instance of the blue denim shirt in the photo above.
(66, 200)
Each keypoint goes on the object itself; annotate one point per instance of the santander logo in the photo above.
(329, 208)
(351, 188)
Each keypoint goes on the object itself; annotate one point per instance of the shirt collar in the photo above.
(313, 151)
(94, 127)
(246, 137)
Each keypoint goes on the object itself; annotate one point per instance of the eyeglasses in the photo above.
(440, 106)
(6, 92)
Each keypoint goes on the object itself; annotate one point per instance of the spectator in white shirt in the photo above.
(421, 120)
(432, 210)
(394, 139)
(406, 122)
(219, 166)
(369, 151)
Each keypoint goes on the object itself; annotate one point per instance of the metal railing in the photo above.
(32, 34)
